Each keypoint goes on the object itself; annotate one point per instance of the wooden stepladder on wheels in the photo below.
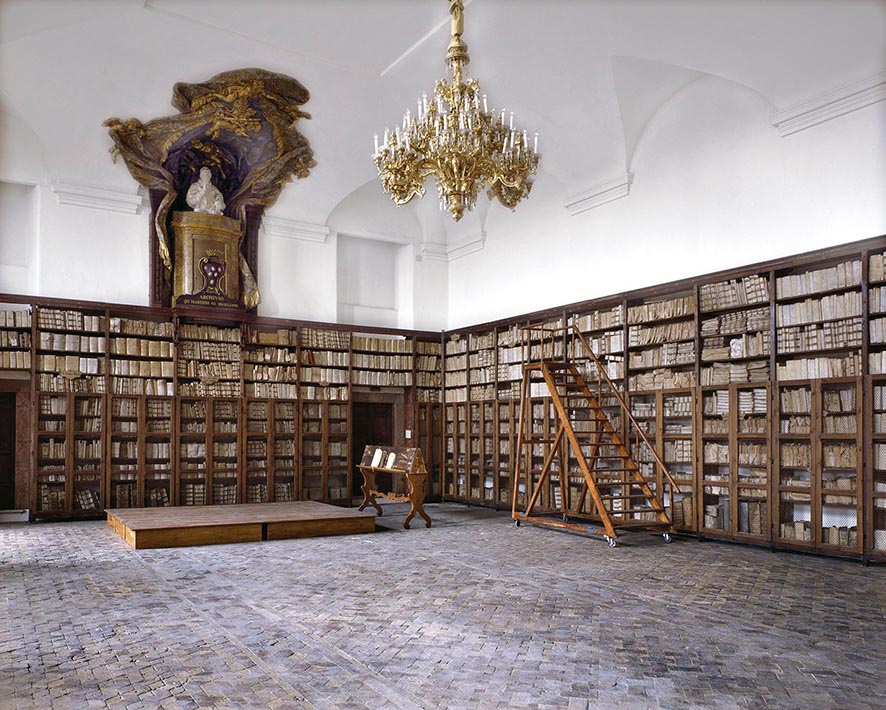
(572, 463)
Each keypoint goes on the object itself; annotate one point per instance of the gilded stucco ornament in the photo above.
(241, 125)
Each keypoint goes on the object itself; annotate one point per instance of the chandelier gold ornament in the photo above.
(454, 137)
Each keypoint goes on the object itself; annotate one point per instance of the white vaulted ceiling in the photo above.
(587, 74)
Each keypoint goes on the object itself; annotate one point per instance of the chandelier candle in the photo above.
(463, 147)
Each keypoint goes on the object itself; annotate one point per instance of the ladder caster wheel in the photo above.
(516, 523)
(611, 541)
(667, 537)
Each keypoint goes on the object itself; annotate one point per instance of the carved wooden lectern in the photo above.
(398, 461)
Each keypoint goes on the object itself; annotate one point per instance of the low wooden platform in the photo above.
(183, 526)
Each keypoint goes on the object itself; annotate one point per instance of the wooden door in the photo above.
(7, 450)
(371, 423)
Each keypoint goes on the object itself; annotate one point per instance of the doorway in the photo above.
(7, 450)
(371, 423)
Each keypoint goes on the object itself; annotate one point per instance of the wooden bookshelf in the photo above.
(875, 546)
(324, 364)
(208, 360)
(455, 375)
(734, 330)
(509, 363)
(16, 327)
(429, 438)
(705, 337)
(482, 366)
(283, 448)
(428, 371)
(192, 485)
(382, 361)
(818, 321)
(142, 356)
(71, 350)
(270, 362)
(662, 343)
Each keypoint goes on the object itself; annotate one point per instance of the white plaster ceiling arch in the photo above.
(368, 213)
(24, 155)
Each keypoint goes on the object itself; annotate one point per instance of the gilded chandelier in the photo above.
(454, 137)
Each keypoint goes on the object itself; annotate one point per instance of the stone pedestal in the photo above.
(207, 260)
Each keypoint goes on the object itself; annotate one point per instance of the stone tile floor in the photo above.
(472, 613)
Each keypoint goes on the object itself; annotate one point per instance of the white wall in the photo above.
(715, 186)
(297, 279)
(19, 205)
(367, 282)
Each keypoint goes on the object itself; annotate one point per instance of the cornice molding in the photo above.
(830, 105)
(434, 251)
(283, 228)
(468, 245)
(97, 199)
(600, 194)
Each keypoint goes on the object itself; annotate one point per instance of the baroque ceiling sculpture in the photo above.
(240, 124)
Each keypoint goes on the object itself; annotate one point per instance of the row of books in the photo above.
(14, 339)
(483, 358)
(678, 451)
(205, 389)
(15, 316)
(737, 322)
(271, 373)
(661, 379)
(272, 390)
(142, 368)
(53, 383)
(12, 360)
(796, 454)
(598, 320)
(382, 378)
(840, 276)
(325, 339)
(661, 310)
(755, 401)
(427, 347)
(72, 342)
(209, 351)
(832, 307)
(142, 385)
(756, 345)
(750, 454)
(281, 336)
(839, 455)
(819, 368)
(269, 355)
(738, 292)
(55, 319)
(826, 336)
(639, 335)
(327, 358)
(877, 267)
(387, 362)
(207, 370)
(139, 347)
(669, 354)
(877, 328)
(133, 326)
(480, 376)
(193, 331)
(323, 393)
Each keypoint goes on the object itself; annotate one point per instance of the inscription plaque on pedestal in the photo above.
(207, 260)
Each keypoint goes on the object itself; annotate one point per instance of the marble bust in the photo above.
(203, 196)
